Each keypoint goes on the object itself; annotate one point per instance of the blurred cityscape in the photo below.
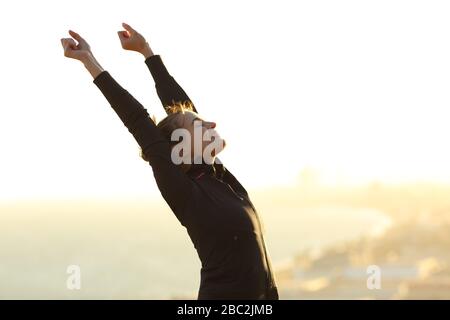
(412, 254)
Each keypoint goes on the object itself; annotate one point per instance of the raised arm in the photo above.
(167, 88)
(175, 186)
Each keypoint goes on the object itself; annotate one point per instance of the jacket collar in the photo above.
(216, 170)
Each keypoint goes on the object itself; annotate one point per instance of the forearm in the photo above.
(124, 104)
(167, 87)
(93, 66)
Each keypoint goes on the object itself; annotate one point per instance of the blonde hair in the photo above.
(168, 124)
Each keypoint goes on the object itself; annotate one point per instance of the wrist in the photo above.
(147, 51)
(88, 59)
(92, 65)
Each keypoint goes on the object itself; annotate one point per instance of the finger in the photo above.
(77, 37)
(123, 35)
(69, 47)
(128, 28)
(68, 43)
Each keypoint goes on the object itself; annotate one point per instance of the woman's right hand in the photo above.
(80, 51)
(132, 40)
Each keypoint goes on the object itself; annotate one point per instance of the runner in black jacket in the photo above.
(207, 199)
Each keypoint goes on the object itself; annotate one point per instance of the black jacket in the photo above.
(208, 200)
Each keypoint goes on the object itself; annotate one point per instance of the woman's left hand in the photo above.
(132, 40)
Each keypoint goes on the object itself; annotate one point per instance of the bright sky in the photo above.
(355, 89)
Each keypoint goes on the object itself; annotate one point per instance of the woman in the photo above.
(205, 197)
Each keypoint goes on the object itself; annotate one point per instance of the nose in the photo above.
(211, 125)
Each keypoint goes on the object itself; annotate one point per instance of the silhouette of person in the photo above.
(206, 198)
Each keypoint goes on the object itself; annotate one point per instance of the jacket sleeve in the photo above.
(168, 90)
(174, 184)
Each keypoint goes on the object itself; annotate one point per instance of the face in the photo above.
(202, 132)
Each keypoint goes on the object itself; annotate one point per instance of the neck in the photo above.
(185, 167)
